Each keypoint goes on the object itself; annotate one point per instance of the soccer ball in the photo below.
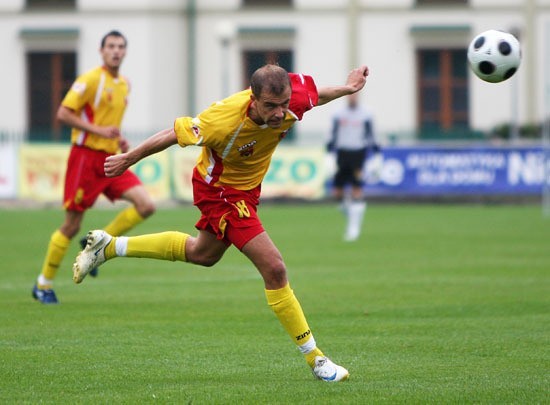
(494, 56)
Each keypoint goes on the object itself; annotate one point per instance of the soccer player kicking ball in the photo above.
(238, 136)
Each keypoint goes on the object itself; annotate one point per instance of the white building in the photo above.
(185, 54)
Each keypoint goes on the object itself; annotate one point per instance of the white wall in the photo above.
(12, 76)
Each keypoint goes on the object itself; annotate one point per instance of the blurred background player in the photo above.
(352, 140)
(94, 107)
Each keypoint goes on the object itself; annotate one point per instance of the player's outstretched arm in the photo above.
(115, 165)
(355, 82)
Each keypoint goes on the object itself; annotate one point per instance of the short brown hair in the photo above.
(273, 78)
(113, 33)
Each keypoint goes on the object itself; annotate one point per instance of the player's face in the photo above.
(271, 109)
(113, 51)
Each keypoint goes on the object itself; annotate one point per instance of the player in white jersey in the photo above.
(352, 140)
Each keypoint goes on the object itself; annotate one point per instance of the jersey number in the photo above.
(243, 209)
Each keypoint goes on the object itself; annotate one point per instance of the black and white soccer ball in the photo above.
(494, 56)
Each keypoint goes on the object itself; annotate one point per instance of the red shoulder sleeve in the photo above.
(304, 94)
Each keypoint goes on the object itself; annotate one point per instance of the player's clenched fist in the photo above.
(115, 165)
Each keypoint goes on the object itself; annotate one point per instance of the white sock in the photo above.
(121, 245)
(43, 281)
(355, 219)
(308, 347)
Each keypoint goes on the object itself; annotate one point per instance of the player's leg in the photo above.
(268, 260)
(338, 192)
(204, 250)
(142, 207)
(127, 187)
(280, 297)
(357, 204)
(340, 178)
(357, 210)
(57, 248)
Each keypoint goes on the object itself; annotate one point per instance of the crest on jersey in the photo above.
(79, 88)
(247, 149)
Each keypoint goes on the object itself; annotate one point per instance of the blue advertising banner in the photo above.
(453, 171)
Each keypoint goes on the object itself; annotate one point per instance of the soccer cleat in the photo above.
(92, 256)
(94, 272)
(326, 370)
(44, 296)
(351, 235)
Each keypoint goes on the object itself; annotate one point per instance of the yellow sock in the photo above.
(289, 312)
(110, 249)
(165, 246)
(124, 221)
(57, 248)
(310, 357)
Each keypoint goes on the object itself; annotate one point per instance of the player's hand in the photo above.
(124, 145)
(115, 165)
(108, 132)
(357, 78)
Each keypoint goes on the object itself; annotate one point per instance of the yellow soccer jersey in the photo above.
(237, 151)
(100, 98)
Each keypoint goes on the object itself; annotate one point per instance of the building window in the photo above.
(261, 45)
(47, 4)
(50, 76)
(254, 59)
(442, 91)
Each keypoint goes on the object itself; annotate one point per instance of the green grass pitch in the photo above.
(434, 304)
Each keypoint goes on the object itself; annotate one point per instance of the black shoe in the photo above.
(95, 271)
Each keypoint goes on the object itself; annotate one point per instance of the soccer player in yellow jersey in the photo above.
(94, 107)
(238, 136)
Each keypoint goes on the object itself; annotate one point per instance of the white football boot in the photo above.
(92, 256)
(326, 370)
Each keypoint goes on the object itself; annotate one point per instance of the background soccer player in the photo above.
(94, 107)
(238, 136)
(352, 139)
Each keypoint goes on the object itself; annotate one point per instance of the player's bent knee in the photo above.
(70, 230)
(147, 209)
(204, 250)
(205, 261)
(275, 275)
